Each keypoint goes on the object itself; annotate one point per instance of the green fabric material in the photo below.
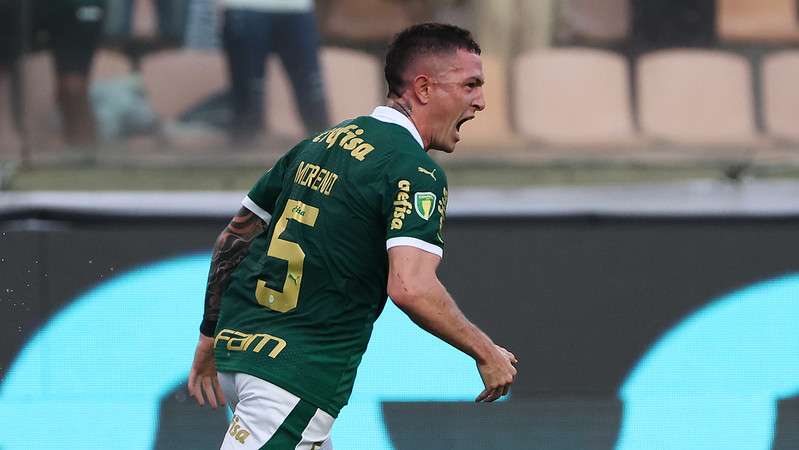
(337, 198)
(289, 433)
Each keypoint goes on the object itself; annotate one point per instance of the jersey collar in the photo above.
(391, 115)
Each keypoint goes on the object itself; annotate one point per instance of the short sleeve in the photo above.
(262, 197)
(415, 205)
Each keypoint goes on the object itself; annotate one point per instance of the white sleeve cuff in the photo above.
(260, 212)
(413, 242)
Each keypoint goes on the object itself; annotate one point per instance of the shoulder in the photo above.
(417, 164)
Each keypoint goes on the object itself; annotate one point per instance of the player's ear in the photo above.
(421, 88)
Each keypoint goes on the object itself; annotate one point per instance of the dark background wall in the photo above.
(579, 299)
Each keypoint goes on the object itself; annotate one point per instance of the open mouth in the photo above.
(462, 121)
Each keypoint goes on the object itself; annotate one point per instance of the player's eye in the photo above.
(473, 84)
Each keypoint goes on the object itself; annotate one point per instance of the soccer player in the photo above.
(299, 276)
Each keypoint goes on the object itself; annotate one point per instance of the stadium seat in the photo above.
(178, 79)
(491, 129)
(757, 20)
(591, 21)
(572, 96)
(696, 97)
(780, 95)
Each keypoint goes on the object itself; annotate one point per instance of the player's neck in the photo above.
(401, 105)
(405, 107)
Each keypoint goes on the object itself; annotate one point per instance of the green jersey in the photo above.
(299, 309)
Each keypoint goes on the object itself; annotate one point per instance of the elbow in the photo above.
(401, 297)
(406, 294)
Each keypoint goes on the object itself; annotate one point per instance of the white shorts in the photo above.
(266, 416)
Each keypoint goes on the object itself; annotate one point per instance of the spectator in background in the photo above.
(70, 29)
(10, 47)
(10, 32)
(253, 29)
(171, 16)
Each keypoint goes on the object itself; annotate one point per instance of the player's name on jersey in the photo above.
(349, 140)
(315, 177)
(241, 342)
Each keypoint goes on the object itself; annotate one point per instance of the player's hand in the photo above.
(202, 378)
(498, 374)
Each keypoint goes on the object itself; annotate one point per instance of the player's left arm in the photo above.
(229, 250)
(415, 211)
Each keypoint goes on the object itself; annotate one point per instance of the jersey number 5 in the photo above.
(288, 251)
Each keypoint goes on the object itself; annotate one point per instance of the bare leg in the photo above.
(10, 132)
(76, 112)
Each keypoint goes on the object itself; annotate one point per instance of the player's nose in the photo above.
(479, 102)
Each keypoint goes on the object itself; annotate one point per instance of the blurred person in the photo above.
(10, 48)
(10, 31)
(171, 18)
(252, 29)
(290, 303)
(70, 30)
(73, 29)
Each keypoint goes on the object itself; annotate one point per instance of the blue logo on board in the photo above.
(714, 380)
(95, 374)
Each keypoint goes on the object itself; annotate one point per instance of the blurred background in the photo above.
(622, 216)
(576, 90)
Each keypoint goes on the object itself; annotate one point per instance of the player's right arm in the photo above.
(230, 248)
(415, 288)
(233, 243)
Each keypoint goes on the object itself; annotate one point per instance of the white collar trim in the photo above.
(391, 115)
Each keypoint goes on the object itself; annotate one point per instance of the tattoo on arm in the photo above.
(230, 249)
